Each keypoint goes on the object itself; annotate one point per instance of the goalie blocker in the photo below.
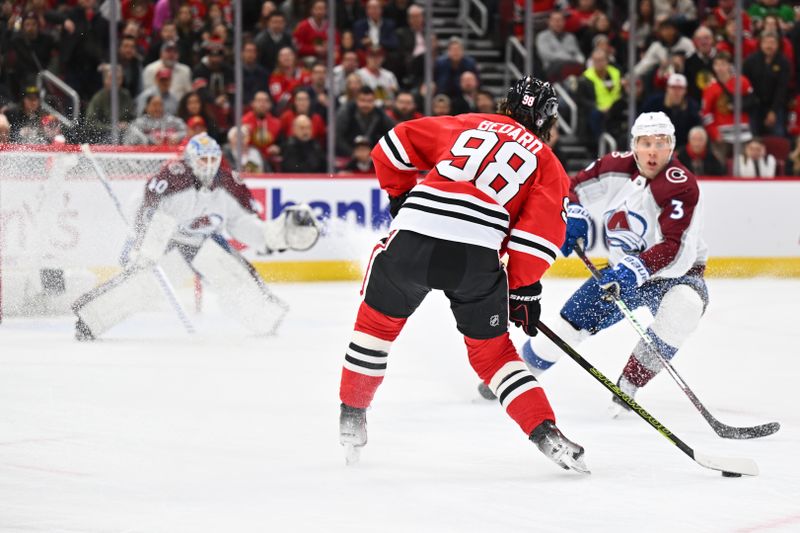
(186, 207)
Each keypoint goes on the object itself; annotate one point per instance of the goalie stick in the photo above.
(729, 466)
(163, 281)
(723, 430)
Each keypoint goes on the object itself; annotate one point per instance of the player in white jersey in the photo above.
(186, 207)
(651, 212)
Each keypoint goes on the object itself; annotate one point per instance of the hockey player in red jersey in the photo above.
(651, 212)
(493, 187)
(187, 206)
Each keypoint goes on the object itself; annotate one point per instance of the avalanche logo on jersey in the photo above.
(204, 225)
(625, 230)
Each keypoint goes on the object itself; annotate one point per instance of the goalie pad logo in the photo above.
(204, 225)
(625, 230)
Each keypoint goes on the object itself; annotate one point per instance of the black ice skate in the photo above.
(485, 391)
(82, 331)
(352, 432)
(558, 448)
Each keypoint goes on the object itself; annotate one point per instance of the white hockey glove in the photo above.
(296, 229)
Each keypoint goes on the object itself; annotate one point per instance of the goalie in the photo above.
(186, 206)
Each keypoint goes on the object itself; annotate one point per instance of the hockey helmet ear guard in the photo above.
(203, 155)
(534, 104)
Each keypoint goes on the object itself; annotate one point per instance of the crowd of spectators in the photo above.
(176, 75)
(684, 67)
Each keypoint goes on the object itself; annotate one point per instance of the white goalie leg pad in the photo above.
(114, 301)
(241, 291)
(678, 315)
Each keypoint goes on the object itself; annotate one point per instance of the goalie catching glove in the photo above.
(524, 307)
(295, 229)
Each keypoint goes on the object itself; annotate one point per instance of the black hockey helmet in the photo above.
(533, 103)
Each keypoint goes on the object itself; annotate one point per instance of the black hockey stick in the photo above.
(729, 466)
(723, 430)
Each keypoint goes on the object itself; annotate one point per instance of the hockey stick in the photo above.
(163, 281)
(729, 466)
(723, 430)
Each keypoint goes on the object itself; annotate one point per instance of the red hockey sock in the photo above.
(367, 355)
(498, 365)
(636, 372)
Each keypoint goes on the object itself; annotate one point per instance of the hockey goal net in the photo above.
(62, 231)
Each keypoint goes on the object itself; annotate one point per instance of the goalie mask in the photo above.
(534, 104)
(203, 155)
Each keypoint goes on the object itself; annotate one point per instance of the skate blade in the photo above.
(352, 454)
(576, 464)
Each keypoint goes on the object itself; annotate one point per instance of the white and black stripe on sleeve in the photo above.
(529, 243)
(395, 152)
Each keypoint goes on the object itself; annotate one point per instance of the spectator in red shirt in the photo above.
(311, 34)
(286, 78)
(717, 110)
(581, 17)
(301, 105)
(263, 126)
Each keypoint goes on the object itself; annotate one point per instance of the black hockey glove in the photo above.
(396, 202)
(524, 307)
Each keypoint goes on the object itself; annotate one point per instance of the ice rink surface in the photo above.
(151, 430)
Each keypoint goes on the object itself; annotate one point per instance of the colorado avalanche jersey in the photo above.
(491, 183)
(200, 211)
(658, 220)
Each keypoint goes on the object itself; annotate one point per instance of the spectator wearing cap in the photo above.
(33, 50)
(300, 152)
(273, 39)
(361, 161)
(26, 118)
(668, 41)
(155, 126)
(361, 117)
(214, 77)
(556, 47)
(286, 78)
(466, 102)
(131, 64)
(181, 74)
(383, 82)
(698, 157)
(311, 34)
(682, 110)
(163, 81)
(98, 113)
(84, 45)
(263, 126)
(449, 67)
(404, 108)
(192, 107)
(250, 160)
(195, 126)
(770, 73)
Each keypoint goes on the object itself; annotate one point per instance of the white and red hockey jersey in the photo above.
(200, 211)
(658, 220)
(491, 183)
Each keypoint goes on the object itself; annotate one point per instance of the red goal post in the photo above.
(60, 232)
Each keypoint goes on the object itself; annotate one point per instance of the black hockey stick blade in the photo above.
(723, 430)
(727, 465)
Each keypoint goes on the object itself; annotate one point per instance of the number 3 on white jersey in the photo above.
(510, 167)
